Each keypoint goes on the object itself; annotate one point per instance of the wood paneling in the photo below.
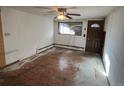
(2, 53)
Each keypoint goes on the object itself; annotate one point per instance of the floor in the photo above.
(56, 66)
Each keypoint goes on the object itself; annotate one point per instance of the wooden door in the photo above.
(2, 54)
(95, 36)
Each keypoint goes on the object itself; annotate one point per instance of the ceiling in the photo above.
(85, 11)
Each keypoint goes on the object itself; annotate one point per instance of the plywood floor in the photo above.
(57, 66)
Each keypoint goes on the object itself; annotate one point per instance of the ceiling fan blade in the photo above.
(73, 7)
(73, 14)
(49, 12)
(55, 8)
(55, 17)
(42, 7)
(52, 11)
(67, 7)
(50, 8)
(68, 17)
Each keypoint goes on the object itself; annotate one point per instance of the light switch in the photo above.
(7, 34)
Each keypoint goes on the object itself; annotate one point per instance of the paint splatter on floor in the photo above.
(57, 67)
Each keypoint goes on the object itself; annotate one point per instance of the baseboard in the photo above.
(9, 64)
(37, 52)
(40, 50)
(44, 48)
(105, 71)
(70, 47)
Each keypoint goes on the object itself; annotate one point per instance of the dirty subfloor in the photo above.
(56, 66)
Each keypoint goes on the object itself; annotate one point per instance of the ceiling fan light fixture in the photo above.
(62, 17)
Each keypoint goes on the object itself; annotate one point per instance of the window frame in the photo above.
(71, 22)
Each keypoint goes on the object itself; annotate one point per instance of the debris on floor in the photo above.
(56, 66)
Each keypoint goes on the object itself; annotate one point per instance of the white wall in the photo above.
(114, 47)
(71, 40)
(28, 32)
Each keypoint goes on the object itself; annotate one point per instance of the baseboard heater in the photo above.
(48, 47)
(70, 47)
(59, 45)
(44, 48)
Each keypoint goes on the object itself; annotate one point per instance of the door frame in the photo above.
(2, 51)
(87, 33)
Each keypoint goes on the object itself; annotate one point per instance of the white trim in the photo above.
(69, 47)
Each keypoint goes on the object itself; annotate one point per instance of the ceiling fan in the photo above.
(62, 13)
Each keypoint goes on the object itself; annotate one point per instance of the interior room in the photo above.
(61, 45)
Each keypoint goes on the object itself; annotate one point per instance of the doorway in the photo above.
(95, 36)
(2, 53)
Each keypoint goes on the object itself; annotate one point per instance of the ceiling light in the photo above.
(61, 17)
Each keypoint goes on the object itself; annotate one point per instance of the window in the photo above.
(71, 28)
(95, 26)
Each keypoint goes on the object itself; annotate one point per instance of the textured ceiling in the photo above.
(85, 11)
